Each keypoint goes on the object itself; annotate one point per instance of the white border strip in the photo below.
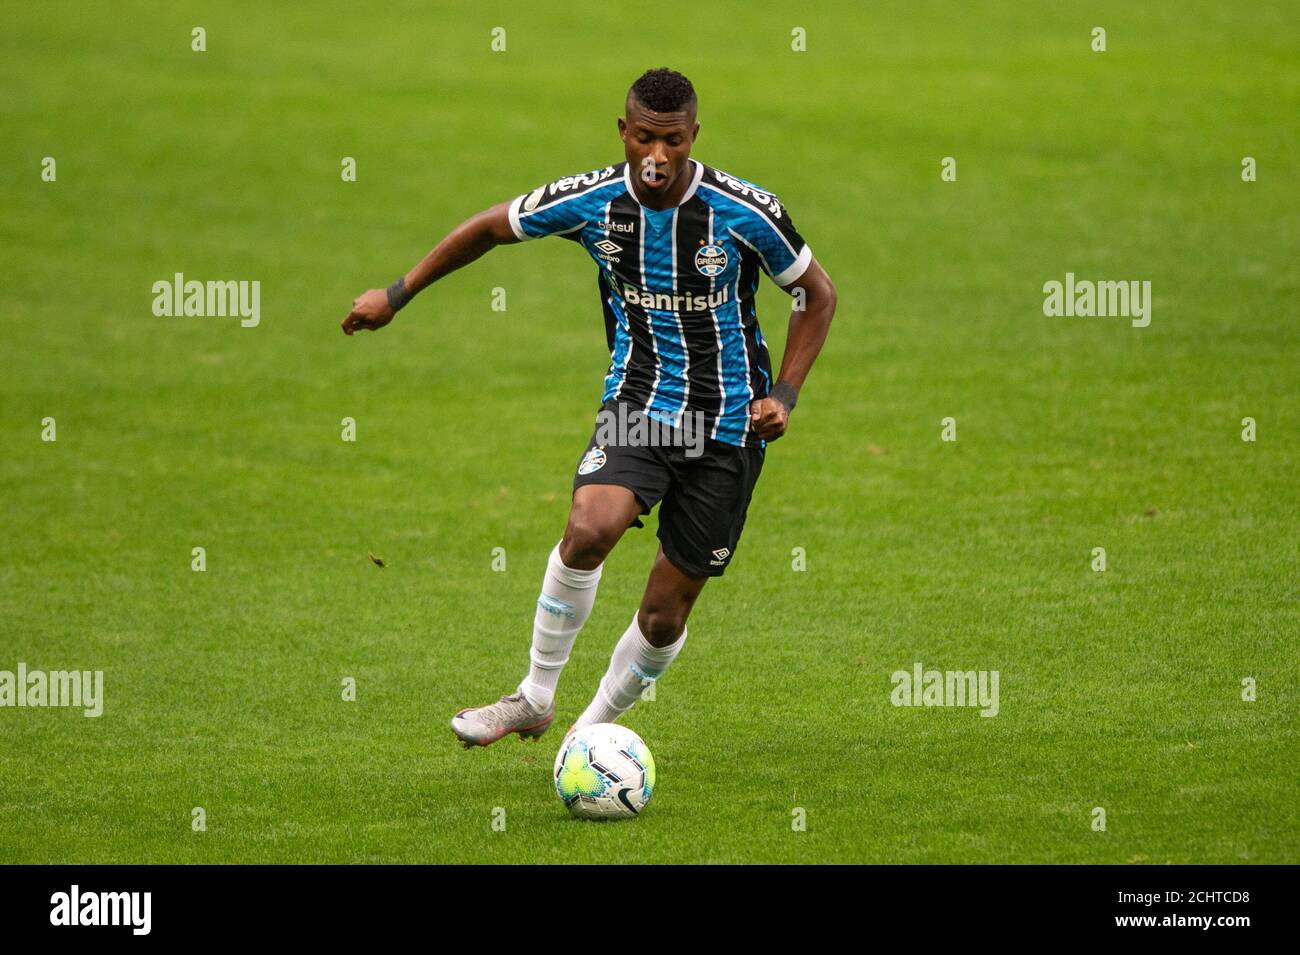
(796, 269)
(515, 226)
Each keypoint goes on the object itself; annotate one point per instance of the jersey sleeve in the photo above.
(564, 205)
(768, 229)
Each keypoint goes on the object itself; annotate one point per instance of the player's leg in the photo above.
(651, 642)
(700, 522)
(599, 516)
(670, 593)
(614, 485)
(597, 519)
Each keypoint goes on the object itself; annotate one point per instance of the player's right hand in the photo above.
(369, 312)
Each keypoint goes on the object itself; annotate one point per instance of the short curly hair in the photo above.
(663, 90)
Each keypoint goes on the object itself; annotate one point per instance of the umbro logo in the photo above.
(722, 553)
(607, 246)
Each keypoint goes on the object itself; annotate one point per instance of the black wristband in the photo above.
(398, 296)
(785, 393)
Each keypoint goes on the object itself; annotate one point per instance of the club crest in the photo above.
(711, 260)
(593, 460)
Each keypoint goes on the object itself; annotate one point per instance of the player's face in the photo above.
(658, 147)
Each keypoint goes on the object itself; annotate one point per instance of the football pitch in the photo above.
(1161, 690)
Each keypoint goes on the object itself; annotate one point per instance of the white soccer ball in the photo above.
(604, 771)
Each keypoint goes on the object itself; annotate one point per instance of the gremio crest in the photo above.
(593, 460)
(711, 259)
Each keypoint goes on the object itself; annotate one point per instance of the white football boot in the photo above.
(510, 714)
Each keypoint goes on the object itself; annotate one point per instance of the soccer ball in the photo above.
(604, 771)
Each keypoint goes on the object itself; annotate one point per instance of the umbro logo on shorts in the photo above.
(722, 553)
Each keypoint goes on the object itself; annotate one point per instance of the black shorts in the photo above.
(705, 486)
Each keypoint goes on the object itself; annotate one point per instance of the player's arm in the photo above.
(465, 243)
(804, 338)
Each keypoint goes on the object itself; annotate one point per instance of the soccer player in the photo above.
(689, 401)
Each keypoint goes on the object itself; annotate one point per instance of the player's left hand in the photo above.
(767, 418)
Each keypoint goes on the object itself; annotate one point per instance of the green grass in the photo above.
(1118, 689)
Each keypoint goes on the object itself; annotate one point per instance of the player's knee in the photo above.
(661, 627)
(586, 542)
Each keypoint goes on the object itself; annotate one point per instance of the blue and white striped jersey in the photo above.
(677, 287)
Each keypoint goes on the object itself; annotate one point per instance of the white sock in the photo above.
(634, 665)
(562, 608)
